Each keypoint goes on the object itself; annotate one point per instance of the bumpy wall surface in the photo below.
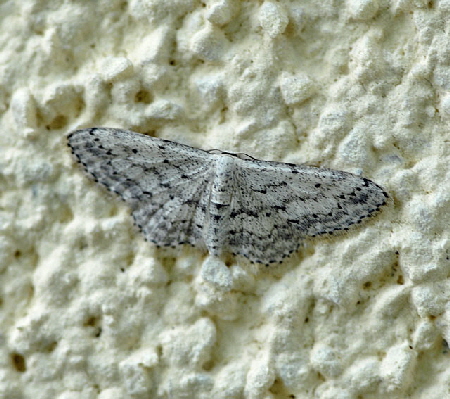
(88, 309)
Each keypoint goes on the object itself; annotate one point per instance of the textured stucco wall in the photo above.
(90, 310)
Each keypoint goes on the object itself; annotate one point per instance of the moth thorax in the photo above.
(223, 180)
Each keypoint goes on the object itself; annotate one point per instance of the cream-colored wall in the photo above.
(90, 310)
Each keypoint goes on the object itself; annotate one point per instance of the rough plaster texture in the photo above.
(89, 310)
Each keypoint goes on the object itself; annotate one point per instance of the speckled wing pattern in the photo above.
(166, 184)
(304, 201)
(219, 201)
